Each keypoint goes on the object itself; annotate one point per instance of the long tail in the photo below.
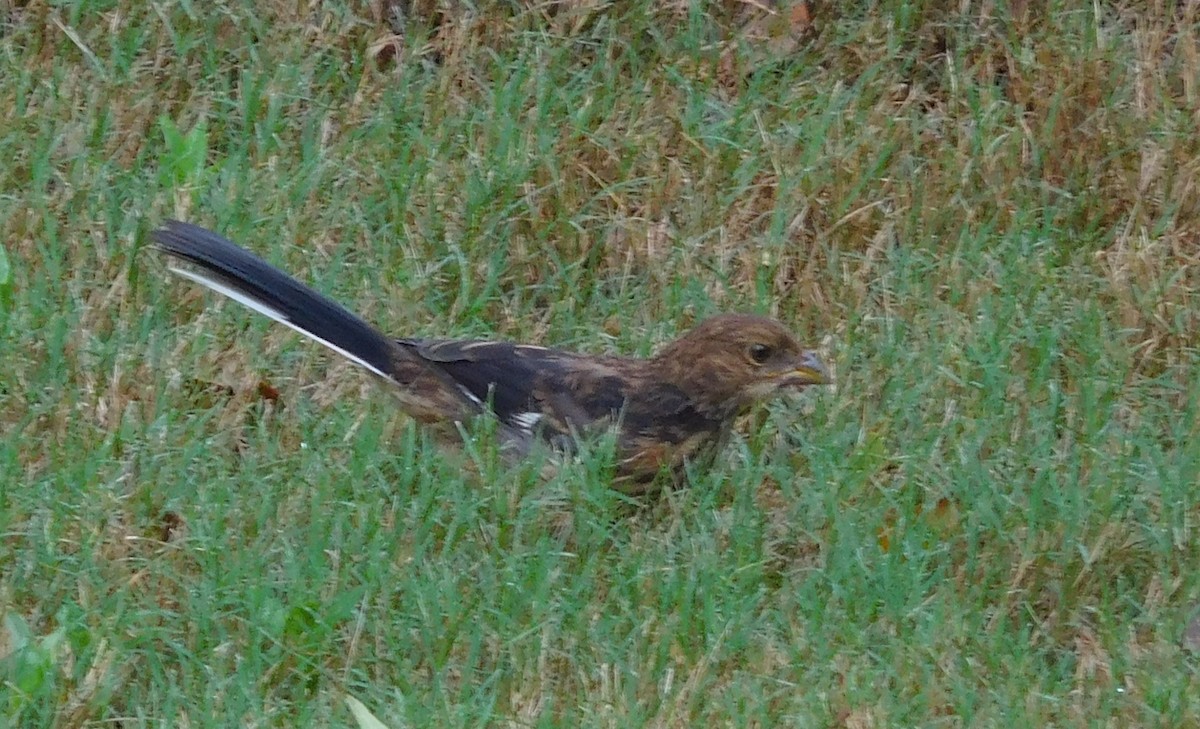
(219, 264)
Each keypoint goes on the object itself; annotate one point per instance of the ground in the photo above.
(985, 216)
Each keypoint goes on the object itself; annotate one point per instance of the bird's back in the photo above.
(544, 395)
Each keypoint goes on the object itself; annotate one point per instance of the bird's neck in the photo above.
(704, 383)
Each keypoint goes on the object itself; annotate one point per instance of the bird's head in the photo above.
(740, 359)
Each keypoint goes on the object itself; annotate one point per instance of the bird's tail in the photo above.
(214, 261)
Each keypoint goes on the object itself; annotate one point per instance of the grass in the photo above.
(987, 218)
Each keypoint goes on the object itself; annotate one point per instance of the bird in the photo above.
(665, 412)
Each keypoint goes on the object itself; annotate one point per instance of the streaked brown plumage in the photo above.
(671, 409)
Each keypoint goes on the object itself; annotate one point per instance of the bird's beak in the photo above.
(810, 371)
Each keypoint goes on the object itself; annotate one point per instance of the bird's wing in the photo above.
(539, 392)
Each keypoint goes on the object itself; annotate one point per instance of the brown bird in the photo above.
(669, 410)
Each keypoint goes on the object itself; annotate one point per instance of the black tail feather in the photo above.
(223, 266)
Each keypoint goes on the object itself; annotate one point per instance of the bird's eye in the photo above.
(760, 353)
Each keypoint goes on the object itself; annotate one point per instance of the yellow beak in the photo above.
(810, 371)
